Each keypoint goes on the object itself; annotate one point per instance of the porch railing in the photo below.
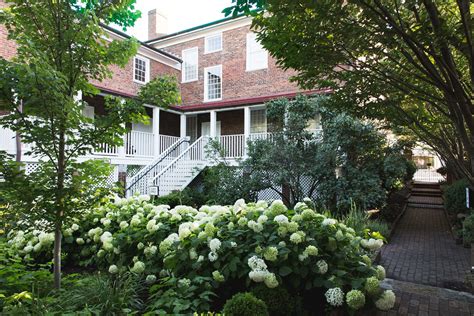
(233, 146)
(139, 144)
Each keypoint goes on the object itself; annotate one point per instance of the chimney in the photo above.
(157, 24)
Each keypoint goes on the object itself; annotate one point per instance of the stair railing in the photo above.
(140, 180)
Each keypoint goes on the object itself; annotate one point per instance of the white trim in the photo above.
(206, 49)
(206, 98)
(240, 107)
(184, 51)
(147, 52)
(201, 32)
(147, 69)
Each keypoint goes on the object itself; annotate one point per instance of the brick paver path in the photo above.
(423, 250)
(425, 300)
(422, 260)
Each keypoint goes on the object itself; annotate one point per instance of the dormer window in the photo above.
(213, 43)
(141, 69)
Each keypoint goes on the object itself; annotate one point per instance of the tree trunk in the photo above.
(18, 138)
(57, 257)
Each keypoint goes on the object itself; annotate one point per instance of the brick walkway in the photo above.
(422, 260)
(423, 250)
(424, 300)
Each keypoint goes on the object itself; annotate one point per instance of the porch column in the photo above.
(246, 127)
(182, 130)
(213, 124)
(156, 132)
(121, 149)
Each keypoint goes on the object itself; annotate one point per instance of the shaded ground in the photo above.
(422, 261)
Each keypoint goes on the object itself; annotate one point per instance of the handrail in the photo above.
(171, 164)
(151, 166)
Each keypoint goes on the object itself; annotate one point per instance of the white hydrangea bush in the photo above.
(248, 242)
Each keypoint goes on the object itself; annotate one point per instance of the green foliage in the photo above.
(468, 229)
(161, 91)
(175, 198)
(361, 222)
(454, 196)
(101, 295)
(392, 77)
(216, 249)
(173, 296)
(305, 163)
(278, 300)
(18, 277)
(245, 304)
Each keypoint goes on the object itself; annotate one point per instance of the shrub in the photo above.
(455, 197)
(278, 300)
(176, 198)
(245, 304)
(231, 247)
(468, 229)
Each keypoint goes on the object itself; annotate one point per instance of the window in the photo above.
(141, 69)
(258, 121)
(213, 83)
(257, 56)
(213, 43)
(314, 124)
(190, 64)
(88, 111)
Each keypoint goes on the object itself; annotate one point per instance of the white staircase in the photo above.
(139, 183)
(183, 169)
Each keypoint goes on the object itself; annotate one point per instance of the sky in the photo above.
(182, 14)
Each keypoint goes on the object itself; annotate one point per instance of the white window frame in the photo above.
(206, 46)
(206, 97)
(264, 123)
(147, 69)
(251, 37)
(183, 72)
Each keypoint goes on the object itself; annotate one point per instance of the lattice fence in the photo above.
(31, 167)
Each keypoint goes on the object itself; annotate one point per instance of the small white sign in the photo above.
(467, 198)
(153, 190)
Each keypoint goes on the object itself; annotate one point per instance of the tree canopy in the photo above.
(61, 48)
(408, 63)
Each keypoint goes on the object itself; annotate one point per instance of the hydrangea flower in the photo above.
(372, 286)
(262, 219)
(335, 296)
(297, 237)
(212, 256)
(138, 267)
(270, 253)
(380, 271)
(75, 227)
(281, 219)
(233, 244)
(328, 222)
(308, 214)
(300, 206)
(292, 226)
(355, 299)
(140, 246)
(270, 280)
(278, 207)
(151, 278)
(215, 245)
(216, 275)
(386, 300)
(123, 224)
(239, 205)
(184, 282)
(311, 250)
(322, 266)
(80, 241)
(371, 244)
(113, 269)
(150, 251)
(256, 227)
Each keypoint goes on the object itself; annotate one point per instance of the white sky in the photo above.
(182, 14)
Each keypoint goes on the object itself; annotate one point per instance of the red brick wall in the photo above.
(122, 78)
(7, 48)
(237, 82)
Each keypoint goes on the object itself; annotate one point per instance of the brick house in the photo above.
(225, 78)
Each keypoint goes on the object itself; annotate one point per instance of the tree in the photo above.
(349, 161)
(410, 63)
(61, 47)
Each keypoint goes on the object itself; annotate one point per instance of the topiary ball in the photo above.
(278, 300)
(245, 304)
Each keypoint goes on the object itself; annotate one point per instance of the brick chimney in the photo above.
(157, 24)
